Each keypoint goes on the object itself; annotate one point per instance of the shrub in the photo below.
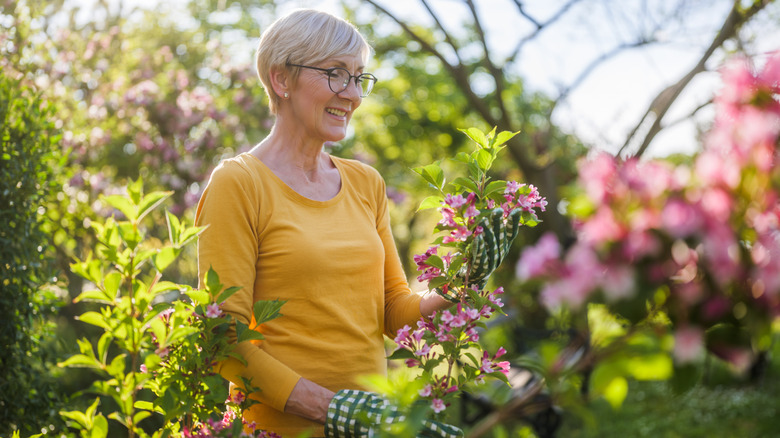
(27, 147)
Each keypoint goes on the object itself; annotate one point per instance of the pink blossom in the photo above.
(213, 311)
(618, 282)
(688, 344)
(426, 391)
(681, 219)
(438, 405)
(456, 201)
(423, 350)
(602, 228)
(512, 187)
(448, 217)
(471, 211)
(537, 260)
(503, 366)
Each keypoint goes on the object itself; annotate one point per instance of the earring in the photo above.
(286, 95)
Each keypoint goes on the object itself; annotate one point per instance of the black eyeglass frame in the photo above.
(350, 76)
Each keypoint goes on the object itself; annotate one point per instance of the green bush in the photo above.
(28, 147)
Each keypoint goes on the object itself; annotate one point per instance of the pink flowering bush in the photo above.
(444, 347)
(688, 252)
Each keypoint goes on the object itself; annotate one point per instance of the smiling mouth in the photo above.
(336, 112)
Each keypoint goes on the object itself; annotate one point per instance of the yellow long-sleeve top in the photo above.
(334, 262)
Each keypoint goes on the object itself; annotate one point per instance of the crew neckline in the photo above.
(290, 192)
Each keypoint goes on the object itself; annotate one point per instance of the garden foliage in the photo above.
(683, 260)
(160, 341)
(28, 150)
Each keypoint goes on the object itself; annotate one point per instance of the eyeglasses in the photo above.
(339, 79)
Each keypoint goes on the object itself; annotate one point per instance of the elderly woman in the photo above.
(289, 221)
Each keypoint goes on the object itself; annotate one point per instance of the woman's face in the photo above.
(324, 114)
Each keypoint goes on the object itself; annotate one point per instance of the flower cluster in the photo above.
(460, 217)
(449, 339)
(706, 236)
(449, 334)
(228, 426)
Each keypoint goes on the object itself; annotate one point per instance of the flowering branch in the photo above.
(480, 218)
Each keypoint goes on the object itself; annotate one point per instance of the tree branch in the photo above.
(457, 71)
(495, 72)
(447, 37)
(539, 26)
(661, 104)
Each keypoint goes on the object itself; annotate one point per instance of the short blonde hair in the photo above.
(307, 37)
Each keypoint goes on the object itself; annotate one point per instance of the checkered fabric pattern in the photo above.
(491, 247)
(350, 410)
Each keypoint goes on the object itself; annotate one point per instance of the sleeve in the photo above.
(229, 245)
(402, 306)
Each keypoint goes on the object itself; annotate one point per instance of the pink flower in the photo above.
(681, 219)
(426, 391)
(448, 217)
(423, 350)
(213, 311)
(688, 344)
(503, 366)
(537, 260)
(618, 282)
(456, 201)
(602, 228)
(438, 405)
(512, 187)
(471, 211)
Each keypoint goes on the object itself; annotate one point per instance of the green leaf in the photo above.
(213, 286)
(265, 310)
(477, 136)
(466, 183)
(199, 297)
(503, 137)
(123, 204)
(484, 159)
(163, 286)
(130, 235)
(102, 346)
(430, 202)
(495, 186)
(227, 293)
(99, 427)
(150, 202)
(401, 354)
(93, 318)
(433, 174)
(135, 190)
(164, 257)
(435, 261)
(244, 333)
(80, 361)
(92, 295)
(174, 227)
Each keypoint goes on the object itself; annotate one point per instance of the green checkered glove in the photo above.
(350, 410)
(490, 247)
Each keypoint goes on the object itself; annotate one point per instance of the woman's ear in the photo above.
(280, 82)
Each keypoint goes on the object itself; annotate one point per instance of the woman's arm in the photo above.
(309, 400)
(432, 302)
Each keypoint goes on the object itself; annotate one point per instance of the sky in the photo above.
(606, 106)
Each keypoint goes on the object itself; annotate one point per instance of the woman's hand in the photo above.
(433, 302)
(309, 400)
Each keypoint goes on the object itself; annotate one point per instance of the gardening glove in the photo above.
(490, 247)
(350, 410)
